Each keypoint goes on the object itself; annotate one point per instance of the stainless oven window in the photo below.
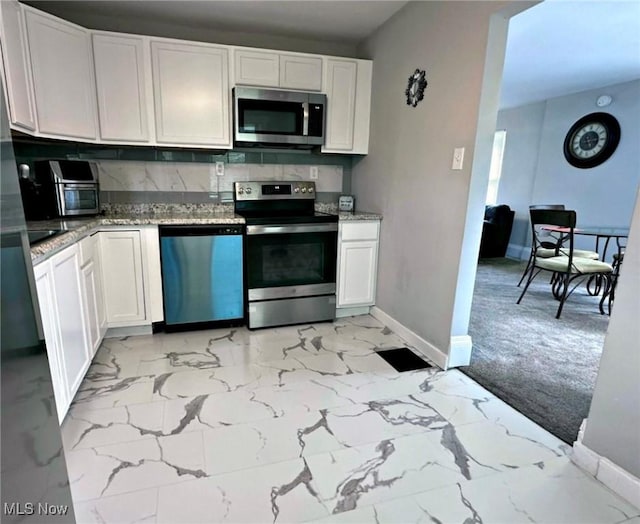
(79, 199)
(270, 117)
(291, 259)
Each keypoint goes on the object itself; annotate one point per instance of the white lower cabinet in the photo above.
(94, 312)
(357, 263)
(123, 278)
(60, 296)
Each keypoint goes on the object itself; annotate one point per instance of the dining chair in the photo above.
(548, 246)
(564, 265)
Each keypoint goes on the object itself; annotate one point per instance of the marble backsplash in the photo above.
(133, 176)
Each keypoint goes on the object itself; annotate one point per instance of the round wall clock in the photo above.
(415, 88)
(592, 140)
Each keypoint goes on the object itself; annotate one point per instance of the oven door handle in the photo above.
(295, 228)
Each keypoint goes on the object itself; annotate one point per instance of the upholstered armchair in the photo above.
(496, 230)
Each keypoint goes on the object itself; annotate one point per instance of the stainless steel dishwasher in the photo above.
(202, 276)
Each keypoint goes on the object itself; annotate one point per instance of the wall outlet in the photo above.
(313, 172)
(220, 168)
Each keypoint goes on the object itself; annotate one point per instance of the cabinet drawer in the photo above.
(360, 231)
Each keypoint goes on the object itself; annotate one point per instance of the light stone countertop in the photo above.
(359, 215)
(76, 229)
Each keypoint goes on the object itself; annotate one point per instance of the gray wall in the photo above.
(407, 175)
(534, 162)
(613, 425)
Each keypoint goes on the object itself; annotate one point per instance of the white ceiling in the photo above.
(561, 47)
(555, 48)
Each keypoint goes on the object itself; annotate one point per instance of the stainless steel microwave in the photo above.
(269, 116)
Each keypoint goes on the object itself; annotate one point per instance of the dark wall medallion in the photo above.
(592, 140)
(415, 88)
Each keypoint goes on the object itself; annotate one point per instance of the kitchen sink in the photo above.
(36, 236)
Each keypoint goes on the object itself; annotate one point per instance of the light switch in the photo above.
(313, 172)
(458, 158)
(220, 168)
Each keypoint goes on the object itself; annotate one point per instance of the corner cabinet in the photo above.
(17, 67)
(131, 276)
(357, 263)
(191, 93)
(122, 277)
(62, 308)
(63, 76)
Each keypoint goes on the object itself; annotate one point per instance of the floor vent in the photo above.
(403, 359)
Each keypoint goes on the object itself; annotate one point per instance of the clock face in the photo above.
(592, 140)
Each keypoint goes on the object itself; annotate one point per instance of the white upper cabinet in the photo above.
(273, 69)
(347, 84)
(63, 76)
(191, 93)
(17, 67)
(256, 68)
(341, 103)
(121, 87)
(64, 81)
(301, 72)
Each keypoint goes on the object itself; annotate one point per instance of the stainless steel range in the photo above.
(290, 253)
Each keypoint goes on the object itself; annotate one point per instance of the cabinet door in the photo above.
(341, 99)
(121, 89)
(122, 277)
(256, 68)
(17, 68)
(90, 304)
(191, 93)
(49, 315)
(100, 306)
(357, 273)
(301, 72)
(62, 76)
(65, 268)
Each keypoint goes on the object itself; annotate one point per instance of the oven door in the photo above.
(293, 260)
(77, 199)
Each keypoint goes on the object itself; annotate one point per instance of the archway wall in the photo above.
(432, 214)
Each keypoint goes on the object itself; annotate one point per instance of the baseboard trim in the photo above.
(434, 354)
(518, 252)
(459, 351)
(617, 479)
(128, 331)
(342, 312)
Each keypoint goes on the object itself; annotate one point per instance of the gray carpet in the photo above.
(543, 367)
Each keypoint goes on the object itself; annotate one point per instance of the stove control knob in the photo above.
(240, 190)
(248, 190)
(304, 189)
(296, 189)
(311, 189)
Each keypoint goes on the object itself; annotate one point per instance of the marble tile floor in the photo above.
(307, 424)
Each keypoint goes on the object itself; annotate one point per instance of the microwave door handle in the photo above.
(305, 119)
